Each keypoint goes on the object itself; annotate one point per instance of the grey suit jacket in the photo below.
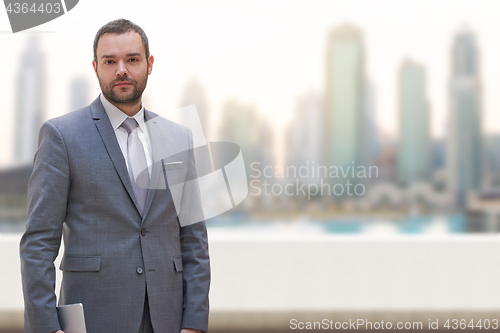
(80, 189)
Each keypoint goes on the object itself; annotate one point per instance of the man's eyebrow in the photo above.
(135, 54)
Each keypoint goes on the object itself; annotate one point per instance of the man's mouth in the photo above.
(123, 84)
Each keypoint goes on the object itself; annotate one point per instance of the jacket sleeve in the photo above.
(195, 257)
(48, 190)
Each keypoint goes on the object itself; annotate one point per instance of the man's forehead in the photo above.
(115, 44)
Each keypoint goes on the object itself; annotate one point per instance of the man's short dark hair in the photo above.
(119, 27)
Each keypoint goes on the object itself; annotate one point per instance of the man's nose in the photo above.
(121, 69)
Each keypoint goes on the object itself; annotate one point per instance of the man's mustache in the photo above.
(124, 80)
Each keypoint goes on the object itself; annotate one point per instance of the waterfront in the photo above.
(447, 224)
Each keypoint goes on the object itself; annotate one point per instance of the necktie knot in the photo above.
(130, 124)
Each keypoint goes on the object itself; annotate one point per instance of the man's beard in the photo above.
(134, 96)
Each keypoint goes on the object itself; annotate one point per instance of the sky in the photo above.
(263, 53)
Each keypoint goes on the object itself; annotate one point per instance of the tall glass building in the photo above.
(414, 153)
(345, 120)
(30, 101)
(465, 149)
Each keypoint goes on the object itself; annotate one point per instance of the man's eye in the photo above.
(107, 62)
(133, 59)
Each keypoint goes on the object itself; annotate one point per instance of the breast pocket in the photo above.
(176, 165)
(175, 175)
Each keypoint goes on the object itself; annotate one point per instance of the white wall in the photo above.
(265, 280)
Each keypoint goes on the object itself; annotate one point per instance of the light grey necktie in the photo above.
(137, 165)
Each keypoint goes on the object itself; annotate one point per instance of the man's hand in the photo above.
(188, 330)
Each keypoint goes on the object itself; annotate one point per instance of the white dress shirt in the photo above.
(117, 117)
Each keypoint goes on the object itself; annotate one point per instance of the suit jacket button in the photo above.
(139, 270)
(143, 231)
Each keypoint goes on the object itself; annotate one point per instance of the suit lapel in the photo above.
(109, 139)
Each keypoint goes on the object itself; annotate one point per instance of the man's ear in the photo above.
(94, 64)
(151, 60)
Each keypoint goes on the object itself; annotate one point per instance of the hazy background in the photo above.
(407, 90)
(406, 87)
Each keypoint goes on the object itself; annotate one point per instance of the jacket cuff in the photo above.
(195, 323)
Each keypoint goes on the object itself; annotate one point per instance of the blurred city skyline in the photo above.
(406, 87)
(242, 63)
(310, 107)
(343, 121)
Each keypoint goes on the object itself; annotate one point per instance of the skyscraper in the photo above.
(240, 125)
(345, 123)
(464, 153)
(79, 93)
(30, 101)
(304, 135)
(414, 142)
(194, 93)
(372, 137)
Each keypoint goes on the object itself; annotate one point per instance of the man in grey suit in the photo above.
(127, 257)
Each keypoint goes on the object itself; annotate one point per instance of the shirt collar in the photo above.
(117, 116)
